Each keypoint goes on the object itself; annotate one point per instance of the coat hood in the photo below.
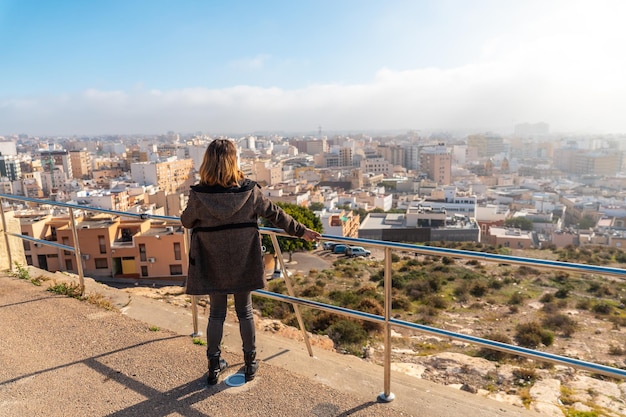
(224, 202)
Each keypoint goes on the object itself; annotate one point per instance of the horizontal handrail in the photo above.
(387, 321)
(492, 344)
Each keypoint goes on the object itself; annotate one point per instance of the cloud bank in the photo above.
(564, 67)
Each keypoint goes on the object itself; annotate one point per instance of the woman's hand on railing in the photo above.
(311, 235)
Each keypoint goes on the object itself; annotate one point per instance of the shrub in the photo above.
(271, 308)
(344, 298)
(560, 322)
(371, 306)
(526, 270)
(401, 302)
(516, 298)
(344, 331)
(447, 261)
(492, 354)
(461, 292)
(527, 375)
(550, 308)
(602, 308)
(71, 290)
(562, 293)
(495, 284)
(478, 289)
(532, 334)
(313, 291)
(435, 301)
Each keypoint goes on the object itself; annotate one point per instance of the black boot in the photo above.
(251, 365)
(216, 366)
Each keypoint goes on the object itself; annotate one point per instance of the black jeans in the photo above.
(217, 315)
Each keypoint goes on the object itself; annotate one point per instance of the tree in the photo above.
(586, 222)
(288, 244)
(316, 206)
(520, 223)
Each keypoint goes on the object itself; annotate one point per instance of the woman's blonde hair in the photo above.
(219, 166)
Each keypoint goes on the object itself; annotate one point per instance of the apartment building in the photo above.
(172, 175)
(512, 238)
(376, 166)
(53, 159)
(107, 199)
(436, 163)
(485, 145)
(81, 164)
(110, 246)
(605, 162)
(263, 171)
(10, 167)
(447, 198)
(343, 223)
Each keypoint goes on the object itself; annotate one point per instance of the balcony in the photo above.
(343, 374)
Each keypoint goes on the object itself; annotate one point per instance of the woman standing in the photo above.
(225, 253)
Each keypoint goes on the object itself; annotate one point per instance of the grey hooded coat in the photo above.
(225, 251)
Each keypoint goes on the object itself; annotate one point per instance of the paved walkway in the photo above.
(63, 357)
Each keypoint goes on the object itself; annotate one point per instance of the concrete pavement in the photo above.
(65, 354)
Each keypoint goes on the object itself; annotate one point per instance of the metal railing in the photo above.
(385, 320)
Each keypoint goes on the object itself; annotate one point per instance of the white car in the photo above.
(279, 274)
(353, 251)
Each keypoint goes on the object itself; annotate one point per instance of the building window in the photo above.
(142, 252)
(101, 263)
(68, 265)
(176, 269)
(26, 242)
(144, 270)
(29, 259)
(102, 243)
(66, 242)
(177, 254)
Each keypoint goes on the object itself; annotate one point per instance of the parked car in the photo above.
(329, 245)
(353, 251)
(340, 248)
(279, 274)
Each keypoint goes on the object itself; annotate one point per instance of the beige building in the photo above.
(345, 223)
(510, 238)
(81, 164)
(436, 162)
(265, 173)
(110, 247)
(173, 175)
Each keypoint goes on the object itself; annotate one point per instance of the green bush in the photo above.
(517, 298)
(478, 289)
(344, 331)
(313, 291)
(532, 334)
(602, 307)
(560, 322)
(401, 302)
(70, 290)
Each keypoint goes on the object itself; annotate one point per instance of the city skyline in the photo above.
(74, 68)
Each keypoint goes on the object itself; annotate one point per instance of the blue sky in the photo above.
(133, 67)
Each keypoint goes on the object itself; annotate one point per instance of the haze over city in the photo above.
(142, 67)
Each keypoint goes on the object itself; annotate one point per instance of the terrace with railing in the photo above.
(386, 320)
